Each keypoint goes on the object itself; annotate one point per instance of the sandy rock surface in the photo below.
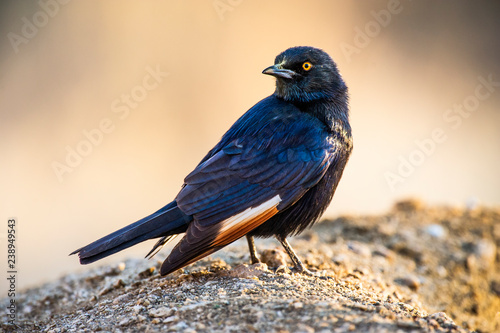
(414, 269)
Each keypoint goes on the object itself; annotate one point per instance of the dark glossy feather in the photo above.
(265, 173)
(169, 220)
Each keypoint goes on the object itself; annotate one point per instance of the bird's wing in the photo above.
(244, 184)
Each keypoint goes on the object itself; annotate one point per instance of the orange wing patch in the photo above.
(201, 241)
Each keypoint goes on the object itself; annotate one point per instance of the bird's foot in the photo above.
(302, 270)
(298, 265)
(284, 269)
(255, 261)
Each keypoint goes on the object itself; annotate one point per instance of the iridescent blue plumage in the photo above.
(274, 148)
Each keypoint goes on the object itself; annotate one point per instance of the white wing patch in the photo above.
(249, 214)
(201, 241)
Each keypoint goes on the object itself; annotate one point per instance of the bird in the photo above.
(272, 174)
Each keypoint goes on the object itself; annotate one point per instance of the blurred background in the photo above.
(106, 106)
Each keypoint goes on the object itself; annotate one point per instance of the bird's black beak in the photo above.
(277, 71)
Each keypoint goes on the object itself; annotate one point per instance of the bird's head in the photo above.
(305, 74)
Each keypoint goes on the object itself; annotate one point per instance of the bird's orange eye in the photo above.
(307, 66)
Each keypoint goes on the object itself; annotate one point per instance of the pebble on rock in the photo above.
(273, 258)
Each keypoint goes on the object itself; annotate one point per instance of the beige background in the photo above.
(63, 80)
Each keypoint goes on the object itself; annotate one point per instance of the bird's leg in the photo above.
(298, 265)
(253, 250)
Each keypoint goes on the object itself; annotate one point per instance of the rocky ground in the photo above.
(414, 269)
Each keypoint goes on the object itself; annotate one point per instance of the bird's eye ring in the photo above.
(307, 66)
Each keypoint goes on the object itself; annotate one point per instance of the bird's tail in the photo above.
(165, 223)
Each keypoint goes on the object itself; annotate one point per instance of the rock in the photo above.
(170, 319)
(408, 205)
(274, 258)
(186, 330)
(409, 281)
(436, 230)
(200, 326)
(495, 287)
(441, 271)
(218, 266)
(442, 319)
(120, 299)
(302, 328)
(483, 255)
(248, 271)
(138, 308)
(384, 252)
(160, 312)
(496, 231)
(147, 272)
(360, 294)
(360, 248)
(122, 266)
(125, 321)
(112, 285)
(485, 251)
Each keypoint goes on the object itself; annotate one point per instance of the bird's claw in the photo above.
(284, 269)
(305, 271)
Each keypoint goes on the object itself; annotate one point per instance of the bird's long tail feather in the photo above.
(166, 222)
